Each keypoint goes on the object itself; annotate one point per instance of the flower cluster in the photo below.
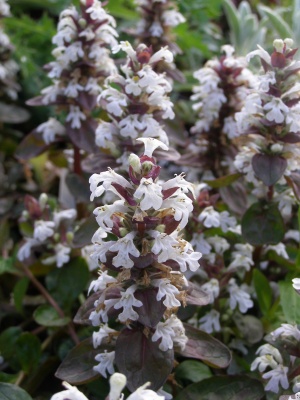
(138, 104)
(139, 239)
(117, 383)
(158, 17)
(81, 63)
(270, 117)
(8, 67)
(223, 85)
(48, 233)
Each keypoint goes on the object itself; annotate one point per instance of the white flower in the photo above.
(130, 126)
(124, 247)
(200, 244)
(287, 330)
(210, 217)
(43, 230)
(263, 362)
(152, 144)
(172, 18)
(277, 376)
(50, 129)
(278, 110)
(75, 116)
(220, 244)
(115, 101)
(71, 393)
(182, 207)
(149, 194)
(102, 282)
(212, 288)
(261, 53)
(171, 331)
(167, 290)
(103, 333)
(144, 394)
(162, 54)
(127, 301)
(106, 361)
(69, 214)
(296, 283)
(239, 297)
(104, 213)
(62, 254)
(108, 177)
(226, 221)
(162, 245)
(279, 249)
(25, 250)
(210, 322)
(156, 29)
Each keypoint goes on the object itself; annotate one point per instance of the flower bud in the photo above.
(289, 43)
(43, 200)
(70, 237)
(117, 383)
(56, 237)
(135, 163)
(146, 167)
(123, 232)
(82, 23)
(278, 45)
(276, 148)
(160, 228)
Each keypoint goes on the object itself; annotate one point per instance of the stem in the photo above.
(77, 161)
(53, 303)
(20, 378)
(270, 193)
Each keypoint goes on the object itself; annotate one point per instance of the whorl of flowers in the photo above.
(81, 63)
(138, 105)
(157, 18)
(223, 86)
(47, 232)
(271, 117)
(8, 67)
(139, 239)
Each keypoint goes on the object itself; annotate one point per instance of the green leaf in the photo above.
(65, 284)
(290, 302)
(224, 388)
(224, 180)
(13, 392)
(262, 224)
(8, 378)
(276, 21)
(7, 265)
(233, 20)
(28, 350)
(46, 315)
(263, 291)
(8, 339)
(20, 290)
(204, 347)
(193, 371)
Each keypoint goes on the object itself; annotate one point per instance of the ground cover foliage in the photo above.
(149, 199)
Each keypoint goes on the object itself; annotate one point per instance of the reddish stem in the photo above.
(51, 301)
(77, 161)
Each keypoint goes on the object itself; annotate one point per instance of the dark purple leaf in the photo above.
(77, 367)
(141, 360)
(83, 235)
(291, 137)
(224, 388)
(84, 312)
(87, 101)
(262, 224)
(234, 196)
(278, 60)
(12, 114)
(84, 137)
(79, 187)
(152, 310)
(268, 168)
(203, 346)
(31, 146)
